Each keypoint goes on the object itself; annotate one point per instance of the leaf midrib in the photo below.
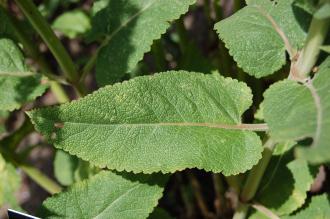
(319, 114)
(277, 28)
(241, 126)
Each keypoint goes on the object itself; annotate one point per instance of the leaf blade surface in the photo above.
(167, 122)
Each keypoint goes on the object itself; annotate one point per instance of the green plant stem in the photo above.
(59, 92)
(92, 61)
(183, 36)
(254, 178)
(53, 43)
(235, 182)
(218, 10)
(44, 181)
(308, 57)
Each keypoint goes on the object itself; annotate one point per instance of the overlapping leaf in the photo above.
(318, 208)
(69, 169)
(9, 184)
(107, 195)
(167, 122)
(295, 111)
(130, 28)
(258, 35)
(17, 84)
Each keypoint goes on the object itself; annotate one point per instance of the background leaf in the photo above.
(9, 183)
(130, 28)
(17, 84)
(253, 35)
(72, 23)
(69, 169)
(287, 102)
(107, 195)
(323, 12)
(156, 123)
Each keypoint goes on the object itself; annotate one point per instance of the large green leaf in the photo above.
(318, 208)
(107, 195)
(258, 35)
(167, 122)
(295, 111)
(17, 84)
(130, 28)
(9, 184)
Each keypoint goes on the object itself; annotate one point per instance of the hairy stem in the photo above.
(307, 58)
(53, 43)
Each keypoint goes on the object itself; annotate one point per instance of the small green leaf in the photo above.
(107, 195)
(17, 84)
(323, 12)
(325, 48)
(284, 187)
(69, 169)
(9, 184)
(130, 27)
(166, 122)
(64, 167)
(318, 208)
(258, 35)
(72, 23)
(288, 102)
